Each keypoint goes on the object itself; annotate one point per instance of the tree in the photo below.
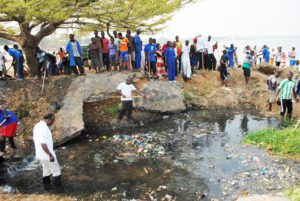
(27, 22)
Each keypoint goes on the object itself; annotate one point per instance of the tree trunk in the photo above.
(30, 59)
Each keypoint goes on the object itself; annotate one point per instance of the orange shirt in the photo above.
(124, 45)
(61, 54)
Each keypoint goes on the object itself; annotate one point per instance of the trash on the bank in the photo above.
(114, 189)
(168, 197)
(146, 171)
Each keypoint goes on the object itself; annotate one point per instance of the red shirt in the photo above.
(105, 43)
(164, 47)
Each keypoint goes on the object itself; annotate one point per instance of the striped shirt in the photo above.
(286, 89)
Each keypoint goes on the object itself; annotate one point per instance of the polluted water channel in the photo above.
(196, 155)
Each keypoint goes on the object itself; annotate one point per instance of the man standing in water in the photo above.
(126, 89)
(43, 143)
(287, 90)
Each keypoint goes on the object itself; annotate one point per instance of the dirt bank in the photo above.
(205, 91)
(25, 99)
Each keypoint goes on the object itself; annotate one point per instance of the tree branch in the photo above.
(9, 36)
(47, 30)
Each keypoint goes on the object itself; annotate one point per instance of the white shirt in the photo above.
(279, 56)
(175, 49)
(126, 90)
(292, 55)
(42, 135)
(210, 47)
(185, 53)
(75, 49)
(200, 44)
(1, 61)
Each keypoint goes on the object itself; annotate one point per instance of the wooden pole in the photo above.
(43, 85)
(2, 122)
(297, 125)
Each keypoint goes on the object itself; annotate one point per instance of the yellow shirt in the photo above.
(179, 45)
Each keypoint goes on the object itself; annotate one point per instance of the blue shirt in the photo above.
(170, 54)
(12, 118)
(266, 53)
(150, 49)
(138, 43)
(230, 52)
(14, 53)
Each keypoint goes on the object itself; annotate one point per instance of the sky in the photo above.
(242, 18)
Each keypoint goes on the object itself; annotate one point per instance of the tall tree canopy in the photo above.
(27, 22)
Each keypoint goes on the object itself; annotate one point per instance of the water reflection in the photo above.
(244, 123)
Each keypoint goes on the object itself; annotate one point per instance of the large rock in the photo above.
(161, 97)
(89, 88)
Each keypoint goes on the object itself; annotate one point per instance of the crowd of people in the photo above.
(125, 53)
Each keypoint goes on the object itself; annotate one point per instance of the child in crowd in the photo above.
(223, 69)
(112, 47)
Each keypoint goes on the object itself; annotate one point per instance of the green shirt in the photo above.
(286, 89)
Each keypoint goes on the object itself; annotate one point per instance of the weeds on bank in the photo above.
(113, 110)
(293, 194)
(282, 142)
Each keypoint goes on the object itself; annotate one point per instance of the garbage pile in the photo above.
(140, 145)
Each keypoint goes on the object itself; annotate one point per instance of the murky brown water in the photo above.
(202, 158)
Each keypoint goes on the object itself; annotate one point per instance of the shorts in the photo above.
(124, 56)
(292, 62)
(224, 75)
(247, 72)
(272, 96)
(9, 130)
(113, 59)
(50, 168)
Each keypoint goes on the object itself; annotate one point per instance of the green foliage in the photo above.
(113, 110)
(285, 142)
(293, 194)
(147, 15)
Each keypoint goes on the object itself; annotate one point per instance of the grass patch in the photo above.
(293, 194)
(113, 110)
(285, 142)
(202, 113)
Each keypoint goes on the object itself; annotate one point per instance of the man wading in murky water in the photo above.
(43, 143)
(287, 90)
(126, 89)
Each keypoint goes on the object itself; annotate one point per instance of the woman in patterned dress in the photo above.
(160, 65)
